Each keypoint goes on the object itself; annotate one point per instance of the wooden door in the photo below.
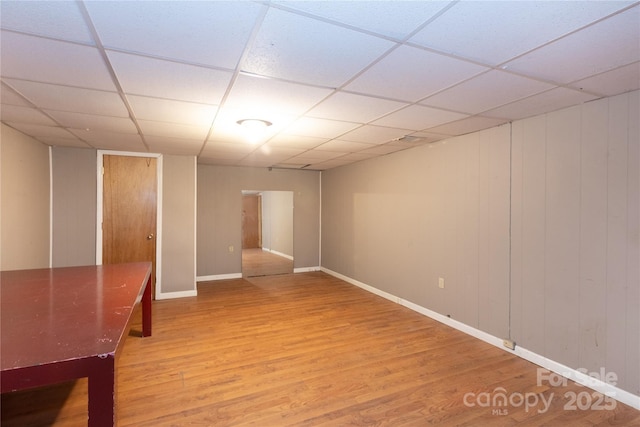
(251, 233)
(129, 211)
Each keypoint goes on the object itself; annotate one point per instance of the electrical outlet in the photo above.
(231, 248)
(511, 345)
(441, 282)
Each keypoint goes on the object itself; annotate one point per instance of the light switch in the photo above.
(441, 282)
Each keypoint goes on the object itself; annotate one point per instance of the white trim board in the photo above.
(219, 277)
(306, 269)
(612, 391)
(178, 294)
(283, 255)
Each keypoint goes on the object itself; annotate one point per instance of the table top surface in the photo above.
(55, 314)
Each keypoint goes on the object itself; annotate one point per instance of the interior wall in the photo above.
(178, 223)
(74, 206)
(575, 226)
(24, 201)
(536, 239)
(277, 224)
(220, 207)
(401, 222)
(75, 203)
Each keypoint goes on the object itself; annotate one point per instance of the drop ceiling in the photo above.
(340, 81)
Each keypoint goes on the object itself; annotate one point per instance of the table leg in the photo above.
(102, 392)
(146, 309)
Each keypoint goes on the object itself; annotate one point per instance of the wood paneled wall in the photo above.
(575, 225)
(533, 226)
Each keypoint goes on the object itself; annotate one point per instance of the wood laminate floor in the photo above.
(309, 350)
(257, 262)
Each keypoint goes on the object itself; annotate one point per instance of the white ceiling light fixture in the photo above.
(254, 129)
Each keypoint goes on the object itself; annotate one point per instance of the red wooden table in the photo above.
(60, 324)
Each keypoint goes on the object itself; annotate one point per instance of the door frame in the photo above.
(99, 207)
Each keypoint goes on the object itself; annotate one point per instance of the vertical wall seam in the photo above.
(544, 243)
(510, 269)
(50, 206)
(580, 218)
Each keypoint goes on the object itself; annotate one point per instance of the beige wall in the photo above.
(575, 224)
(219, 214)
(178, 224)
(401, 222)
(24, 201)
(74, 218)
(277, 221)
(74, 206)
(535, 234)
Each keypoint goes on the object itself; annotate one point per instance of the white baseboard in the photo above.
(179, 294)
(306, 269)
(603, 387)
(289, 257)
(219, 277)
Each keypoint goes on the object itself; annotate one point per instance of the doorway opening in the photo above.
(267, 233)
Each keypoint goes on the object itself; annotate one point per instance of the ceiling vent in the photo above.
(291, 166)
(408, 139)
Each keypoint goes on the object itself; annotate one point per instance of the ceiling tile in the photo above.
(552, 100)
(468, 125)
(321, 128)
(356, 157)
(65, 98)
(314, 156)
(296, 141)
(354, 108)
(171, 111)
(489, 90)
(238, 149)
(374, 134)
(18, 114)
(417, 117)
(492, 32)
(139, 75)
(36, 131)
(296, 48)
(210, 33)
(275, 153)
(9, 97)
(381, 150)
(410, 74)
(64, 142)
(620, 80)
(58, 19)
(393, 19)
(176, 146)
(344, 146)
(260, 96)
(89, 121)
(604, 46)
(111, 140)
(51, 61)
(174, 130)
(265, 156)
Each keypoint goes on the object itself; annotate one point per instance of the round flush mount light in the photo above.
(253, 129)
(254, 123)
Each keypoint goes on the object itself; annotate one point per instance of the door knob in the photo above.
(150, 236)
